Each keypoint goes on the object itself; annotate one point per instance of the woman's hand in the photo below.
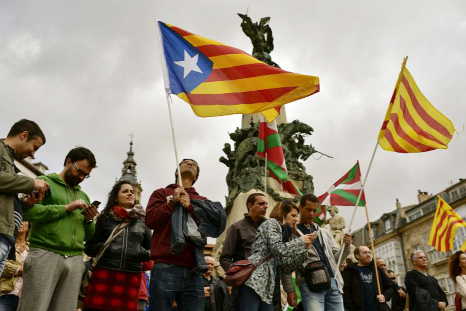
(309, 238)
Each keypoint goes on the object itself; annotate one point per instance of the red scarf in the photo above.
(122, 212)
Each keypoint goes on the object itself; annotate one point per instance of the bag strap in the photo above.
(116, 231)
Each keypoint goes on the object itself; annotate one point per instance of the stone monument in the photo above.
(336, 224)
(246, 169)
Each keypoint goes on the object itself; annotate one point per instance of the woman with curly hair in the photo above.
(457, 270)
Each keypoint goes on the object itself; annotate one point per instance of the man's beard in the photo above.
(71, 180)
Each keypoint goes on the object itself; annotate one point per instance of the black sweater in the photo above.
(415, 279)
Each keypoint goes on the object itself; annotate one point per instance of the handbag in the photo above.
(240, 271)
(317, 276)
(92, 263)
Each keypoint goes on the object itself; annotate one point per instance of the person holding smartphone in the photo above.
(54, 267)
(116, 279)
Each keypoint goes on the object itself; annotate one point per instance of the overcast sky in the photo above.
(89, 73)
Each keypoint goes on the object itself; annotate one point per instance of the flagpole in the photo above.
(403, 65)
(359, 198)
(265, 173)
(169, 99)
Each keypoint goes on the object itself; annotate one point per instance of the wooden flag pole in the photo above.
(374, 258)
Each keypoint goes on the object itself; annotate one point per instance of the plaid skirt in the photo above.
(113, 290)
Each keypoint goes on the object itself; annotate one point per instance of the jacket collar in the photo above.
(11, 151)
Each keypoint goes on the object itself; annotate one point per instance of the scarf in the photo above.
(119, 213)
(287, 233)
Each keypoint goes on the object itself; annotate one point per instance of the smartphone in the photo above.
(95, 203)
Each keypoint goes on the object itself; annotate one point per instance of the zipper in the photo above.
(74, 218)
(125, 244)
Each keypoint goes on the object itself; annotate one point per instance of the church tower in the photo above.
(129, 172)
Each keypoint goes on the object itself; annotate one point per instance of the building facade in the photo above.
(406, 229)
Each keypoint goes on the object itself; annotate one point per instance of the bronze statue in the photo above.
(261, 38)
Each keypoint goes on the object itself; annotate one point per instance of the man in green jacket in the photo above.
(23, 140)
(60, 224)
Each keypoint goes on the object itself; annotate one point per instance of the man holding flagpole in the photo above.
(173, 276)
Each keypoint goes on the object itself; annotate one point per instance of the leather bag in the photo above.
(240, 271)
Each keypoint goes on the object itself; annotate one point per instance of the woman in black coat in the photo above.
(116, 279)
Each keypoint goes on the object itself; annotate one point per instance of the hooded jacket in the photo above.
(52, 227)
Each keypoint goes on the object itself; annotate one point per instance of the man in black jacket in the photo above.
(360, 291)
(417, 280)
(241, 234)
(399, 298)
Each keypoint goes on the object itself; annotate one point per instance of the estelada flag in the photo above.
(216, 79)
(444, 226)
(412, 124)
(269, 143)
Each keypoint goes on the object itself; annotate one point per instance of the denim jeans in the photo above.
(249, 300)
(326, 300)
(4, 250)
(170, 282)
(9, 303)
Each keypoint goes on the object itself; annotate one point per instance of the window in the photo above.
(393, 256)
(454, 195)
(388, 225)
(414, 216)
(432, 254)
(460, 237)
(448, 287)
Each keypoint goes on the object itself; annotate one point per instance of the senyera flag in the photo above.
(344, 192)
(269, 143)
(412, 124)
(444, 226)
(216, 79)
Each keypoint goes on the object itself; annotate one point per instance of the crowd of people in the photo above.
(152, 258)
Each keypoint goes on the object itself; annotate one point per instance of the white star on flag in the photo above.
(189, 64)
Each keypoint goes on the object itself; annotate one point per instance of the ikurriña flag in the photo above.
(216, 79)
(346, 190)
(269, 143)
(412, 124)
(444, 226)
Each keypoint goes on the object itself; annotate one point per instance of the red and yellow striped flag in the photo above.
(443, 231)
(412, 124)
(216, 79)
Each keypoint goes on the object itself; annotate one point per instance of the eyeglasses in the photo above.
(80, 171)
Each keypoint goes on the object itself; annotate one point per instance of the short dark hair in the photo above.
(81, 153)
(308, 197)
(29, 126)
(252, 198)
(197, 166)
